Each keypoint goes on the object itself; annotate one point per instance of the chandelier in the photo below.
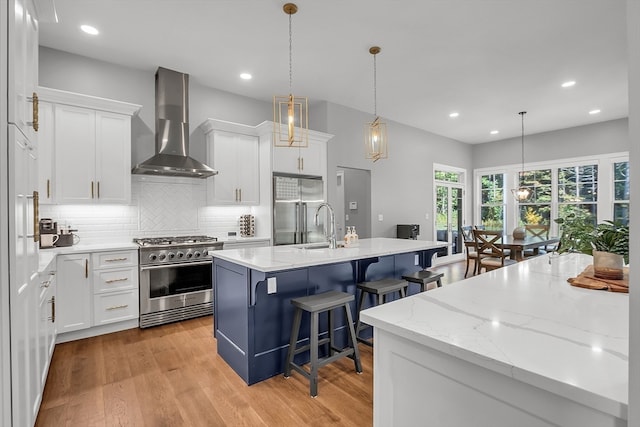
(375, 132)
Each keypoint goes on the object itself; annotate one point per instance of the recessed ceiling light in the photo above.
(494, 132)
(246, 76)
(454, 114)
(569, 83)
(596, 111)
(89, 30)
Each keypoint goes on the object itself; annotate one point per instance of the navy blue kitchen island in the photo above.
(253, 288)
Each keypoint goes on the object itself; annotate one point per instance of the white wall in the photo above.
(598, 138)
(402, 185)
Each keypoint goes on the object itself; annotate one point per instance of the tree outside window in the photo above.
(578, 192)
(492, 204)
(621, 192)
(537, 208)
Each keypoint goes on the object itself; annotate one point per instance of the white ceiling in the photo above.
(486, 59)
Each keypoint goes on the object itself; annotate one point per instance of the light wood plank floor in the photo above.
(171, 375)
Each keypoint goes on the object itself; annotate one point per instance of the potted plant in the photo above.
(608, 242)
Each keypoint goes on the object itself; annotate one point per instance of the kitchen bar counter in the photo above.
(253, 290)
(516, 346)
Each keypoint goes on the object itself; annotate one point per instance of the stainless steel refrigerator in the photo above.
(295, 201)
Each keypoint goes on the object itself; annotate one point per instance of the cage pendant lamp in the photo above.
(375, 132)
(521, 193)
(290, 113)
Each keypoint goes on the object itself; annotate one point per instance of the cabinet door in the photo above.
(75, 154)
(46, 151)
(23, 284)
(46, 326)
(74, 294)
(23, 63)
(222, 149)
(113, 158)
(248, 169)
(287, 159)
(313, 159)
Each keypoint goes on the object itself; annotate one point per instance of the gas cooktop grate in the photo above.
(174, 240)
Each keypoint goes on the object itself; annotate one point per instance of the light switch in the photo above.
(346, 217)
(272, 287)
(380, 217)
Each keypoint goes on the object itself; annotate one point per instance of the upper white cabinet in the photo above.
(233, 150)
(311, 160)
(23, 66)
(88, 157)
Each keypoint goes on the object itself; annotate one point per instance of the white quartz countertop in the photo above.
(275, 258)
(526, 322)
(48, 255)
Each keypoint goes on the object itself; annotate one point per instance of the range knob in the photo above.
(180, 254)
(189, 254)
(205, 252)
(171, 255)
(153, 257)
(161, 257)
(196, 254)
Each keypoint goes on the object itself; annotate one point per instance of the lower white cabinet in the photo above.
(95, 289)
(74, 292)
(115, 287)
(47, 323)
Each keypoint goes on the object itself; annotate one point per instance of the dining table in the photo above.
(518, 246)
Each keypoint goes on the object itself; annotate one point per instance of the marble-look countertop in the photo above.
(525, 321)
(47, 256)
(275, 258)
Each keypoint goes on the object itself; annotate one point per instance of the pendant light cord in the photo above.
(375, 87)
(290, 55)
(522, 113)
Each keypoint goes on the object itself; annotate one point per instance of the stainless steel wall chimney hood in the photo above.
(172, 130)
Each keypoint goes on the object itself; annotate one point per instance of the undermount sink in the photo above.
(323, 245)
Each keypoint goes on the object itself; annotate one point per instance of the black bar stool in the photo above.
(316, 304)
(381, 288)
(423, 278)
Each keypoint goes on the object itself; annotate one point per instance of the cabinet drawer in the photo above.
(115, 279)
(115, 307)
(114, 259)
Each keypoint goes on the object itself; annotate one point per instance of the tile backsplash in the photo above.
(160, 206)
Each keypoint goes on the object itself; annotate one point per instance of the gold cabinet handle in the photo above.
(116, 307)
(48, 189)
(302, 163)
(86, 268)
(92, 189)
(240, 192)
(116, 259)
(53, 309)
(123, 279)
(45, 284)
(35, 104)
(98, 189)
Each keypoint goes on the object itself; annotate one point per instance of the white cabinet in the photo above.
(46, 322)
(115, 286)
(311, 160)
(88, 157)
(96, 289)
(23, 65)
(45, 153)
(73, 302)
(233, 150)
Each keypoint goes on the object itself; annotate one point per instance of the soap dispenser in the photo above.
(354, 235)
(348, 237)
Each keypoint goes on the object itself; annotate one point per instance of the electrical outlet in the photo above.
(272, 287)
(426, 216)
(416, 261)
(380, 217)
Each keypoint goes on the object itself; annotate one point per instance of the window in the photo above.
(447, 176)
(578, 191)
(537, 208)
(492, 204)
(621, 192)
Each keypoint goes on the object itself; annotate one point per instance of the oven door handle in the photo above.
(184, 264)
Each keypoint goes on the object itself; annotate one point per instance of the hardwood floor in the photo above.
(171, 375)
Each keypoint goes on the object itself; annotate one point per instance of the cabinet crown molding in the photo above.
(58, 96)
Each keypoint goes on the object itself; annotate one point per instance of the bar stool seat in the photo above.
(381, 288)
(423, 278)
(316, 304)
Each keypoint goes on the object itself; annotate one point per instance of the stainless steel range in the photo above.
(175, 278)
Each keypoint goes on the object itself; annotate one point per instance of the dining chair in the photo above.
(537, 230)
(469, 248)
(491, 256)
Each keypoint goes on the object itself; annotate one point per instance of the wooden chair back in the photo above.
(485, 242)
(467, 233)
(537, 230)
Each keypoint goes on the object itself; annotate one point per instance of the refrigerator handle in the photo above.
(305, 229)
(297, 226)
